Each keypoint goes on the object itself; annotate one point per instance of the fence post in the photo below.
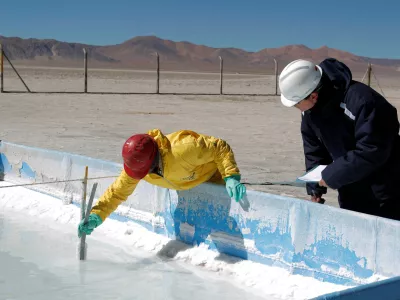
(276, 77)
(221, 75)
(85, 54)
(158, 73)
(369, 74)
(1, 69)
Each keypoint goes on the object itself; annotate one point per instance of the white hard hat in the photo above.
(297, 80)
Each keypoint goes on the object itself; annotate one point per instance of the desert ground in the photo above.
(264, 135)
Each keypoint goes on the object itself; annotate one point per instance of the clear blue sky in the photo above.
(369, 28)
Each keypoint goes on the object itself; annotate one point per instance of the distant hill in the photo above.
(139, 52)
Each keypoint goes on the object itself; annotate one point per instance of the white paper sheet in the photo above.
(314, 175)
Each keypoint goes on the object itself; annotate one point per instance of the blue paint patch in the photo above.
(5, 166)
(271, 241)
(26, 171)
(330, 253)
(207, 218)
(259, 258)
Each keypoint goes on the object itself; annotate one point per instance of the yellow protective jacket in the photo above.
(188, 160)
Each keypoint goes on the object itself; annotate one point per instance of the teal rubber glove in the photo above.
(235, 189)
(93, 222)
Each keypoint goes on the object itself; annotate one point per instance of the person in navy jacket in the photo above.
(352, 129)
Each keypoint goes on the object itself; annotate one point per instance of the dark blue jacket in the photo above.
(355, 131)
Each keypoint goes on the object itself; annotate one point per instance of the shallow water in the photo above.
(39, 261)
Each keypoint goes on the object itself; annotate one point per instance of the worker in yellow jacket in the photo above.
(180, 161)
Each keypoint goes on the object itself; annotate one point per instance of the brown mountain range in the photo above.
(139, 53)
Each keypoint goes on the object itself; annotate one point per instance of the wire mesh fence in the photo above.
(33, 79)
(73, 80)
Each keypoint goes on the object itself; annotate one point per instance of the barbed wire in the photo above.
(56, 181)
(365, 74)
(377, 81)
(376, 78)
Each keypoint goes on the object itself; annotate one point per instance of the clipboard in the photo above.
(314, 175)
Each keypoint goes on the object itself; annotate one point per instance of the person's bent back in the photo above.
(180, 161)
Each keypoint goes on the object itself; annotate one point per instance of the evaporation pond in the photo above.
(38, 260)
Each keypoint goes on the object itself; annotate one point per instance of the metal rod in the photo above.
(276, 77)
(85, 65)
(158, 74)
(221, 75)
(1, 69)
(83, 248)
(16, 72)
(89, 207)
(83, 202)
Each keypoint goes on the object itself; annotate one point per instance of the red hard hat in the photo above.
(138, 153)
